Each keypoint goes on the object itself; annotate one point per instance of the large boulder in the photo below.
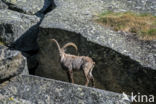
(123, 63)
(18, 28)
(29, 6)
(38, 90)
(12, 63)
(78, 16)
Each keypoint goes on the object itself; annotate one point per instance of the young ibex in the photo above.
(71, 62)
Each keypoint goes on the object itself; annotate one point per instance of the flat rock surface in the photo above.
(14, 25)
(29, 6)
(12, 63)
(79, 16)
(47, 91)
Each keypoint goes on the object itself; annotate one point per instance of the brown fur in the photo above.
(71, 62)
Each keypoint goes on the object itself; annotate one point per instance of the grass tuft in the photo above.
(143, 25)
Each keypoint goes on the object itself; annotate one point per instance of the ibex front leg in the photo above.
(70, 72)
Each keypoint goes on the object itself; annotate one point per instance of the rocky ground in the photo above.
(123, 62)
(37, 90)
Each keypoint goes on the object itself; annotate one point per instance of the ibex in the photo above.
(70, 62)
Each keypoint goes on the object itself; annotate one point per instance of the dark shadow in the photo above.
(27, 43)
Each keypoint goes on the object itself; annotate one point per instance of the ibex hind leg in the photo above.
(90, 75)
(86, 71)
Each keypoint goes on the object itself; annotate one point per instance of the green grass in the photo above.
(143, 25)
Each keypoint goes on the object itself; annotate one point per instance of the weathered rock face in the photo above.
(19, 29)
(78, 17)
(121, 60)
(143, 6)
(45, 91)
(112, 71)
(12, 63)
(3, 5)
(29, 6)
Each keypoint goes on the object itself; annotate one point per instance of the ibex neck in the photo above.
(62, 56)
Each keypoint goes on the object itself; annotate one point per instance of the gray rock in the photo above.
(11, 100)
(3, 5)
(78, 16)
(29, 6)
(121, 59)
(12, 63)
(113, 71)
(141, 6)
(45, 91)
(20, 28)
